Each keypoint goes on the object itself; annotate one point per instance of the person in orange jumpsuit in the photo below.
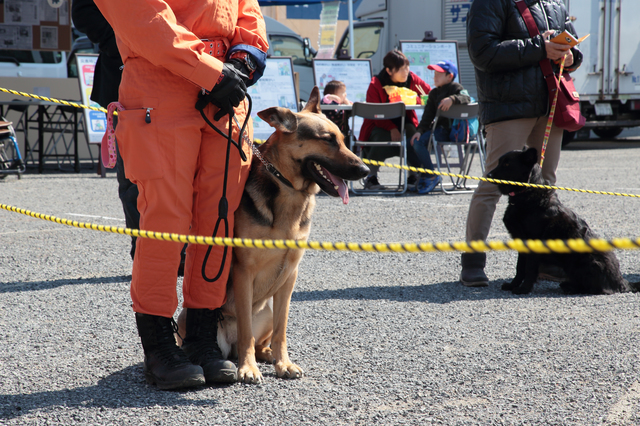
(174, 51)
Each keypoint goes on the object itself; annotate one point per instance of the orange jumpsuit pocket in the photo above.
(140, 148)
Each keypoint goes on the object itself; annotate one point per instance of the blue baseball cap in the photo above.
(445, 66)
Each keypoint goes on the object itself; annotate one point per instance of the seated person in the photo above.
(335, 93)
(446, 93)
(395, 73)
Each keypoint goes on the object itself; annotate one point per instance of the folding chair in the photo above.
(374, 111)
(466, 150)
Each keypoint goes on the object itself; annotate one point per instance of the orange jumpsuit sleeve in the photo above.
(149, 28)
(250, 29)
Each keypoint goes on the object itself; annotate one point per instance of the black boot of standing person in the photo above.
(165, 364)
(201, 346)
(472, 274)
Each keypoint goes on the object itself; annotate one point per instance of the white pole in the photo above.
(351, 42)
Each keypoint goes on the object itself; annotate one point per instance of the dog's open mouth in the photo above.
(329, 183)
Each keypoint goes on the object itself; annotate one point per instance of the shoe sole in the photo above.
(189, 382)
(475, 283)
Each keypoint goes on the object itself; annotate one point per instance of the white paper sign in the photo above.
(276, 87)
(423, 54)
(95, 122)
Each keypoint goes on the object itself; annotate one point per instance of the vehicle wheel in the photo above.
(567, 137)
(607, 132)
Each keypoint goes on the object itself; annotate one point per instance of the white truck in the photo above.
(381, 24)
(608, 80)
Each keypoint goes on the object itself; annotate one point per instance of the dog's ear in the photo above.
(313, 105)
(531, 156)
(281, 119)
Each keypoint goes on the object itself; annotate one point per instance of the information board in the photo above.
(423, 54)
(354, 73)
(276, 87)
(35, 25)
(95, 121)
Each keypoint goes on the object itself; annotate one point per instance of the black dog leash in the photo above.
(223, 205)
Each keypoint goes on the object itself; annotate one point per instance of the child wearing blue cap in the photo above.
(446, 93)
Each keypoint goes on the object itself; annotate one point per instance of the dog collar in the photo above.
(518, 192)
(270, 167)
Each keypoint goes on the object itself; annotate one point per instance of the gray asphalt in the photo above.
(383, 338)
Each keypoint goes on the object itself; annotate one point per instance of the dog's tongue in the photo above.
(342, 186)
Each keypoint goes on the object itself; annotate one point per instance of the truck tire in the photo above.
(607, 132)
(567, 137)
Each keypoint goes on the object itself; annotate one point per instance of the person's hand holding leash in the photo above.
(228, 92)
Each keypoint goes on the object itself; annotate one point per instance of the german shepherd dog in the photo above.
(535, 213)
(310, 153)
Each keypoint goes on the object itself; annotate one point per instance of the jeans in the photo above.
(421, 147)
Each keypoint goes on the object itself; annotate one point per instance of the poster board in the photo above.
(423, 54)
(356, 74)
(95, 121)
(276, 87)
(35, 25)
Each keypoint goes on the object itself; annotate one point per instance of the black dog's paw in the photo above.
(508, 285)
(524, 288)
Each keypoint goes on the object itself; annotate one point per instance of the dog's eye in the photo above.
(331, 139)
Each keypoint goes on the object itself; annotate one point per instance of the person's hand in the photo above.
(415, 137)
(333, 98)
(228, 92)
(242, 67)
(555, 51)
(568, 59)
(445, 104)
(347, 102)
(395, 135)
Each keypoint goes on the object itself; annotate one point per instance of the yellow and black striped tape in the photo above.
(485, 179)
(373, 162)
(521, 246)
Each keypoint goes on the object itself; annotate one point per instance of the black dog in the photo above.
(535, 213)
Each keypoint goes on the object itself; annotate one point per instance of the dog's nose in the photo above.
(363, 170)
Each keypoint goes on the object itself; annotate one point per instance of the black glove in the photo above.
(228, 92)
(242, 67)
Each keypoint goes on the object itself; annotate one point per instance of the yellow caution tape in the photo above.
(521, 246)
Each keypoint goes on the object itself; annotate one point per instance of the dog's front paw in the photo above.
(288, 370)
(249, 374)
(508, 285)
(523, 288)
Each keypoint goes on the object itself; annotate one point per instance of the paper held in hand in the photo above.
(567, 38)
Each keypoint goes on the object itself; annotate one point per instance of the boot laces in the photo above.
(167, 350)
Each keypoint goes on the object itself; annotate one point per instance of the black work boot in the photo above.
(472, 274)
(165, 365)
(201, 346)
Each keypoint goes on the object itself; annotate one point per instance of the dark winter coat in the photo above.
(506, 59)
(88, 19)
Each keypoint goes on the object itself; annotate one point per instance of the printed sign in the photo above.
(423, 54)
(95, 122)
(276, 87)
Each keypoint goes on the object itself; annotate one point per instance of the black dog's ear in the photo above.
(281, 119)
(531, 156)
(313, 105)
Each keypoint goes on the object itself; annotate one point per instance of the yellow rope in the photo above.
(527, 246)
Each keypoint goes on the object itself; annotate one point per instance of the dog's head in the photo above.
(309, 149)
(517, 166)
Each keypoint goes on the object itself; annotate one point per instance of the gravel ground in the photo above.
(384, 338)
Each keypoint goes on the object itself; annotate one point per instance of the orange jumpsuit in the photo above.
(176, 159)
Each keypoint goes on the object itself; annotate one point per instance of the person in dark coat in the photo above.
(88, 19)
(513, 97)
